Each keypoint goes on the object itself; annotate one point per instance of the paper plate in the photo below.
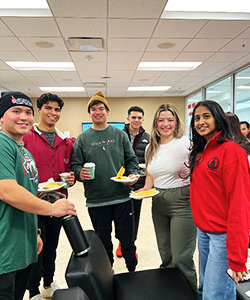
(42, 185)
(125, 179)
(142, 197)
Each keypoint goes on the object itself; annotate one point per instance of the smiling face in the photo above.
(49, 114)
(17, 121)
(166, 125)
(135, 120)
(204, 122)
(99, 115)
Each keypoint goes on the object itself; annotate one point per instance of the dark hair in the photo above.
(45, 98)
(135, 108)
(95, 102)
(238, 137)
(199, 142)
(245, 122)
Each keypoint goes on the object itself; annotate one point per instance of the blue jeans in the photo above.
(214, 283)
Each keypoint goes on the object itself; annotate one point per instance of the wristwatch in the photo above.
(39, 231)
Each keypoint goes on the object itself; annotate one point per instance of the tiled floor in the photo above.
(146, 244)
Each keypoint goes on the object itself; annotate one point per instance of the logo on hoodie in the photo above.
(213, 163)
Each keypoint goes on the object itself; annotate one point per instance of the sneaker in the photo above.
(48, 293)
(37, 297)
(119, 251)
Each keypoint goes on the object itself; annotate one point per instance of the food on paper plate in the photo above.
(144, 193)
(120, 174)
(51, 185)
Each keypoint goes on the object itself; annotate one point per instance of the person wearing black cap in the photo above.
(19, 243)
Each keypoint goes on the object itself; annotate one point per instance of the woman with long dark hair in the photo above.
(220, 196)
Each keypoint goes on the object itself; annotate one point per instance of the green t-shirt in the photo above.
(18, 229)
(109, 149)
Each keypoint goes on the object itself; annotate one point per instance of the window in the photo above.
(242, 94)
(220, 92)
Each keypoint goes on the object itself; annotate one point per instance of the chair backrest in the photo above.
(70, 294)
(92, 272)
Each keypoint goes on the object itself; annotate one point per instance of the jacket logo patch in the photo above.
(213, 163)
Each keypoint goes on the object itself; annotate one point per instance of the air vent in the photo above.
(94, 84)
(84, 44)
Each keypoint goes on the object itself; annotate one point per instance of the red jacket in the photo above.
(50, 161)
(220, 197)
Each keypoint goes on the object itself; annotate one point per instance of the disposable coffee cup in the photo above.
(91, 168)
(63, 179)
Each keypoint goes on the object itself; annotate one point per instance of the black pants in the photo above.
(13, 285)
(45, 267)
(122, 215)
(137, 211)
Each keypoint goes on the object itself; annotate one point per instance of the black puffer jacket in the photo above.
(140, 142)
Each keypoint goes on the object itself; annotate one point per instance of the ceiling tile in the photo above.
(226, 56)
(241, 45)
(206, 45)
(32, 26)
(82, 27)
(4, 30)
(89, 57)
(180, 44)
(136, 9)
(11, 44)
(16, 55)
(193, 56)
(222, 29)
(159, 56)
(32, 44)
(178, 28)
(51, 56)
(127, 44)
(131, 28)
(79, 9)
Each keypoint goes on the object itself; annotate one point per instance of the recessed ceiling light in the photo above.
(213, 9)
(148, 88)
(168, 66)
(46, 66)
(25, 8)
(62, 89)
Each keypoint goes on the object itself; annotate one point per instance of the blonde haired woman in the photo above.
(166, 159)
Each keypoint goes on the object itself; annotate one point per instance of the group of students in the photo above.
(203, 186)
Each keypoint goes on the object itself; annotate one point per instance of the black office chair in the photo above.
(93, 274)
(70, 294)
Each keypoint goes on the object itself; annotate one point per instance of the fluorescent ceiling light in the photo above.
(242, 87)
(25, 8)
(212, 9)
(168, 66)
(62, 89)
(148, 88)
(47, 66)
(213, 92)
(242, 77)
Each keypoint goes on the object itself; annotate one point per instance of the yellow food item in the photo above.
(51, 185)
(143, 193)
(120, 173)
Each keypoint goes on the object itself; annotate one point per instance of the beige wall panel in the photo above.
(74, 111)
